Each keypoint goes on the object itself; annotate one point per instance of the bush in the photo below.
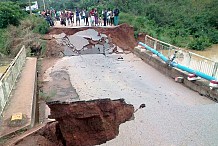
(213, 36)
(199, 43)
(42, 27)
(35, 23)
(3, 39)
(127, 18)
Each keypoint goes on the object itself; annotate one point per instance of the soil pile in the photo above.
(81, 123)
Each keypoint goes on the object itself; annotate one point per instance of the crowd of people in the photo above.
(106, 17)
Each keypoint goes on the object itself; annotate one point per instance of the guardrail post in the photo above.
(146, 40)
(169, 51)
(215, 68)
(155, 44)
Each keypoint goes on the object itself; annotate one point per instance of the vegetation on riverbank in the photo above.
(17, 28)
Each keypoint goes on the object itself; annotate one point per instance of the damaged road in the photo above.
(174, 115)
(81, 123)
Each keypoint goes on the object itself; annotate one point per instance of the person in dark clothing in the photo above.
(105, 17)
(112, 18)
(96, 17)
(87, 17)
(77, 16)
(71, 17)
(116, 16)
(49, 20)
(63, 18)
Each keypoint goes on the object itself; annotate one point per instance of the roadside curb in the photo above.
(200, 86)
(29, 69)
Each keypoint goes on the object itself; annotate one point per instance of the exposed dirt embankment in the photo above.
(89, 123)
(122, 36)
(82, 123)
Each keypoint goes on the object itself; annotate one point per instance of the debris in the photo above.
(179, 79)
(141, 106)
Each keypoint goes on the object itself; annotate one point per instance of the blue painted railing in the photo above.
(179, 66)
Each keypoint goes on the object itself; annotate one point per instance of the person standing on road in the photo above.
(87, 18)
(83, 15)
(63, 18)
(92, 14)
(96, 17)
(68, 18)
(112, 18)
(77, 16)
(116, 16)
(108, 16)
(72, 17)
(105, 17)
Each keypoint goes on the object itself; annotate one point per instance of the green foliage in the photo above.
(174, 21)
(10, 13)
(199, 43)
(3, 40)
(42, 27)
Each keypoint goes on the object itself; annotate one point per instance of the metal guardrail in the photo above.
(8, 80)
(184, 57)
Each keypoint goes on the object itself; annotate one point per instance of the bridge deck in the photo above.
(174, 114)
(21, 99)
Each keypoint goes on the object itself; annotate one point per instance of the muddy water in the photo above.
(211, 53)
(2, 70)
(4, 63)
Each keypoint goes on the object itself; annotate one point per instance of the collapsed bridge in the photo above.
(173, 113)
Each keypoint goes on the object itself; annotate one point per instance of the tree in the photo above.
(10, 13)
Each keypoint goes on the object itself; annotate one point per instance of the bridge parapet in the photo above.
(184, 57)
(8, 80)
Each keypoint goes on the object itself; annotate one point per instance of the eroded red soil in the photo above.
(82, 123)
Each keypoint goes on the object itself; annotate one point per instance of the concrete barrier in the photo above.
(8, 80)
(200, 86)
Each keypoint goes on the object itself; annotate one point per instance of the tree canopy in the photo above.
(10, 13)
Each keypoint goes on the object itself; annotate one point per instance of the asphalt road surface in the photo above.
(174, 115)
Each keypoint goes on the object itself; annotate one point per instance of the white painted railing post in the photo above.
(169, 51)
(155, 44)
(215, 69)
(146, 39)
